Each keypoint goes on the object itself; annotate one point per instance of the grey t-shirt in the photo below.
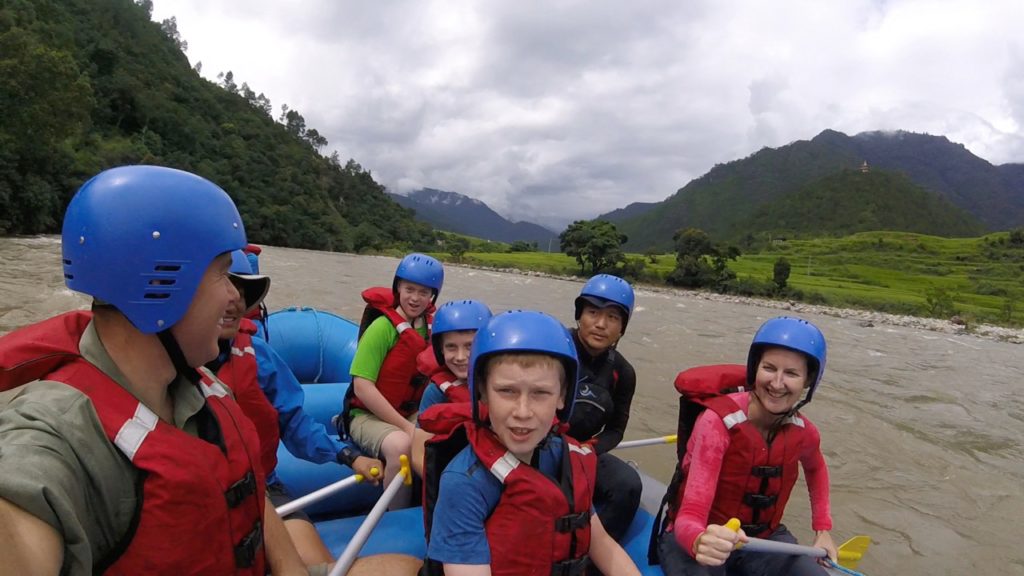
(57, 463)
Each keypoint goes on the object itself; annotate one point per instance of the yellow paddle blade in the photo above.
(853, 550)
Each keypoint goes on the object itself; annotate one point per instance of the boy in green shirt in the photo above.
(381, 404)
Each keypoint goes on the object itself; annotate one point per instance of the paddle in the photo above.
(348, 556)
(671, 439)
(850, 553)
(318, 495)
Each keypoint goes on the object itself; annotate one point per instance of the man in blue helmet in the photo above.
(379, 412)
(607, 383)
(744, 455)
(517, 499)
(446, 362)
(120, 452)
(272, 398)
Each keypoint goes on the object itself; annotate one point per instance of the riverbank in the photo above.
(866, 318)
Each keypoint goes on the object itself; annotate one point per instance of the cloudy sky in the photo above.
(556, 110)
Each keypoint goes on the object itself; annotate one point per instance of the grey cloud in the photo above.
(562, 110)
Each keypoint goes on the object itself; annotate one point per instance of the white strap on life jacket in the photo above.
(794, 420)
(243, 351)
(737, 417)
(446, 385)
(134, 431)
(504, 466)
(211, 386)
(585, 449)
(403, 327)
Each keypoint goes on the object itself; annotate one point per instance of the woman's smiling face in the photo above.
(781, 378)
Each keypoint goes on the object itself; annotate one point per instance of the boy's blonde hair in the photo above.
(523, 360)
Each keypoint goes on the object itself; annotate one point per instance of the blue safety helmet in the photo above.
(794, 334)
(253, 287)
(140, 238)
(454, 316)
(421, 269)
(525, 331)
(606, 290)
(254, 261)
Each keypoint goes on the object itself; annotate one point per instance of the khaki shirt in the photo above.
(57, 463)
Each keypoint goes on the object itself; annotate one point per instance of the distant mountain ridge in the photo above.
(630, 211)
(723, 200)
(459, 213)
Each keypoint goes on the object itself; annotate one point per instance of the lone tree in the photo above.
(780, 273)
(594, 242)
(457, 247)
(699, 262)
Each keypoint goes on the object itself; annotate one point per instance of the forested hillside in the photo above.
(724, 200)
(852, 201)
(90, 84)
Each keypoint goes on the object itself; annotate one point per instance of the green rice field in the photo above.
(979, 279)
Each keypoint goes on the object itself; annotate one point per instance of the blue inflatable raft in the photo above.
(319, 346)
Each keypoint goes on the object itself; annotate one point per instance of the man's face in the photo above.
(600, 328)
(201, 326)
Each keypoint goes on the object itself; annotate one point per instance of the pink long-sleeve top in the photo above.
(705, 452)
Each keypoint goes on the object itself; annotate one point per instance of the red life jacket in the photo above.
(756, 478)
(536, 528)
(239, 372)
(455, 390)
(188, 523)
(398, 379)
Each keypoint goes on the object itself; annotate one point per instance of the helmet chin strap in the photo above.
(177, 356)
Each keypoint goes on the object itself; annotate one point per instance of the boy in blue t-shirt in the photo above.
(446, 362)
(517, 499)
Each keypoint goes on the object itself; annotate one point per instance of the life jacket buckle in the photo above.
(574, 567)
(766, 471)
(759, 501)
(755, 529)
(572, 522)
(241, 490)
(245, 551)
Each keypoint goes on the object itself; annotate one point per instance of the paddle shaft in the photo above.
(348, 556)
(647, 442)
(317, 495)
(771, 546)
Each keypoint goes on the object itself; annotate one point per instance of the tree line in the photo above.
(90, 84)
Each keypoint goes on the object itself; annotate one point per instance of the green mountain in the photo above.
(90, 84)
(723, 200)
(852, 201)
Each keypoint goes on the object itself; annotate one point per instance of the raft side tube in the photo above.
(317, 345)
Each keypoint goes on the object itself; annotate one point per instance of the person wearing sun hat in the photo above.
(272, 398)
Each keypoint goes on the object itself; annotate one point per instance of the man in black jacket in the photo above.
(605, 392)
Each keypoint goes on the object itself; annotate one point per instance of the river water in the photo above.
(921, 430)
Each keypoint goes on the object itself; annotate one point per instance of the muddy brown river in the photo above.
(922, 430)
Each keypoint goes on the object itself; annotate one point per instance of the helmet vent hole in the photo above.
(69, 276)
(167, 267)
(162, 282)
(156, 296)
(67, 262)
